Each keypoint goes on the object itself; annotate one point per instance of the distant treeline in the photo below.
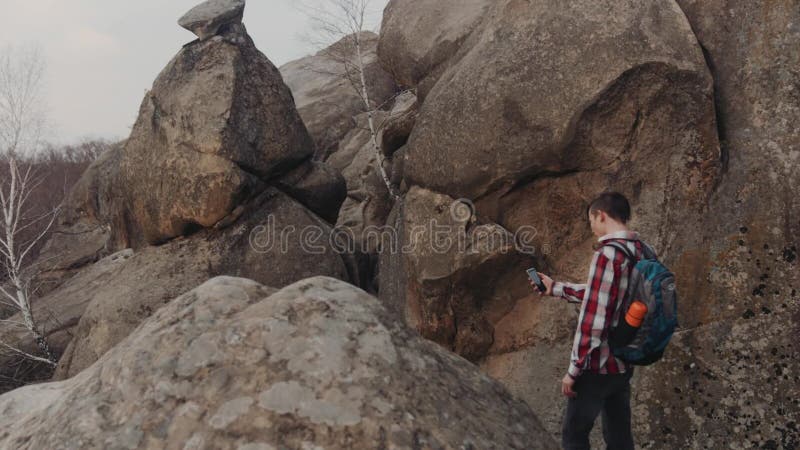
(54, 170)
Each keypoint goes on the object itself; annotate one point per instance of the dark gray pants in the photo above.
(609, 395)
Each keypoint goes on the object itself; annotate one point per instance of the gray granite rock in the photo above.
(218, 121)
(325, 97)
(112, 304)
(235, 364)
(207, 18)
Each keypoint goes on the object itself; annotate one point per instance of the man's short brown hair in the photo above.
(612, 203)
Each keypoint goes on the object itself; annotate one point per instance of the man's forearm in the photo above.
(572, 292)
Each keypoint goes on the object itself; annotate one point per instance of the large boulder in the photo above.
(234, 364)
(724, 219)
(327, 97)
(420, 39)
(546, 104)
(276, 242)
(517, 106)
(217, 122)
(281, 242)
(731, 378)
(530, 132)
(458, 276)
(751, 236)
(218, 127)
(552, 128)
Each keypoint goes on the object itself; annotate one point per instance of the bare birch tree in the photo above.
(21, 127)
(343, 23)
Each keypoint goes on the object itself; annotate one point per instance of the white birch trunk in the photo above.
(370, 118)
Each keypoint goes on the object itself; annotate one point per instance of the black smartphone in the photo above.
(536, 280)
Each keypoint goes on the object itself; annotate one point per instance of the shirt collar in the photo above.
(623, 234)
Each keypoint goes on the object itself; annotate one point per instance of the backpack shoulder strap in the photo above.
(632, 263)
(648, 252)
(625, 251)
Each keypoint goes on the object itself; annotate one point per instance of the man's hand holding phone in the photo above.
(540, 282)
(548, 282)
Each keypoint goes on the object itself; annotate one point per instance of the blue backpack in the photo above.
(653, 284)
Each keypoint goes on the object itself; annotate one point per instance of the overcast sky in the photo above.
(102, 55)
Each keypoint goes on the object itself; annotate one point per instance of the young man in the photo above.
(597, 382)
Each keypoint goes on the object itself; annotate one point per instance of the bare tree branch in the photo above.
(21, 126)
(339, 26)
(27, 355)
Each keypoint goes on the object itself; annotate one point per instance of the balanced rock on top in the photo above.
(207, 18)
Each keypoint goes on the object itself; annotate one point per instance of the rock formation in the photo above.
(368, 200)
(334, 113)
(733, 375)
(216, 179)
(507, 121)
(417, 48)
(252, 248)
(234, 364)
(454, 266)
(520, 112)
(218, 122)
(528, 148)
(208, 18)
(528, 109)
(325, 95)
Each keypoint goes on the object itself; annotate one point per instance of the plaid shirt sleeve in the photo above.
(601, 288)
(572, 292)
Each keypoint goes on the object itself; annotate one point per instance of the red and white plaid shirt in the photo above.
(600, 299)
